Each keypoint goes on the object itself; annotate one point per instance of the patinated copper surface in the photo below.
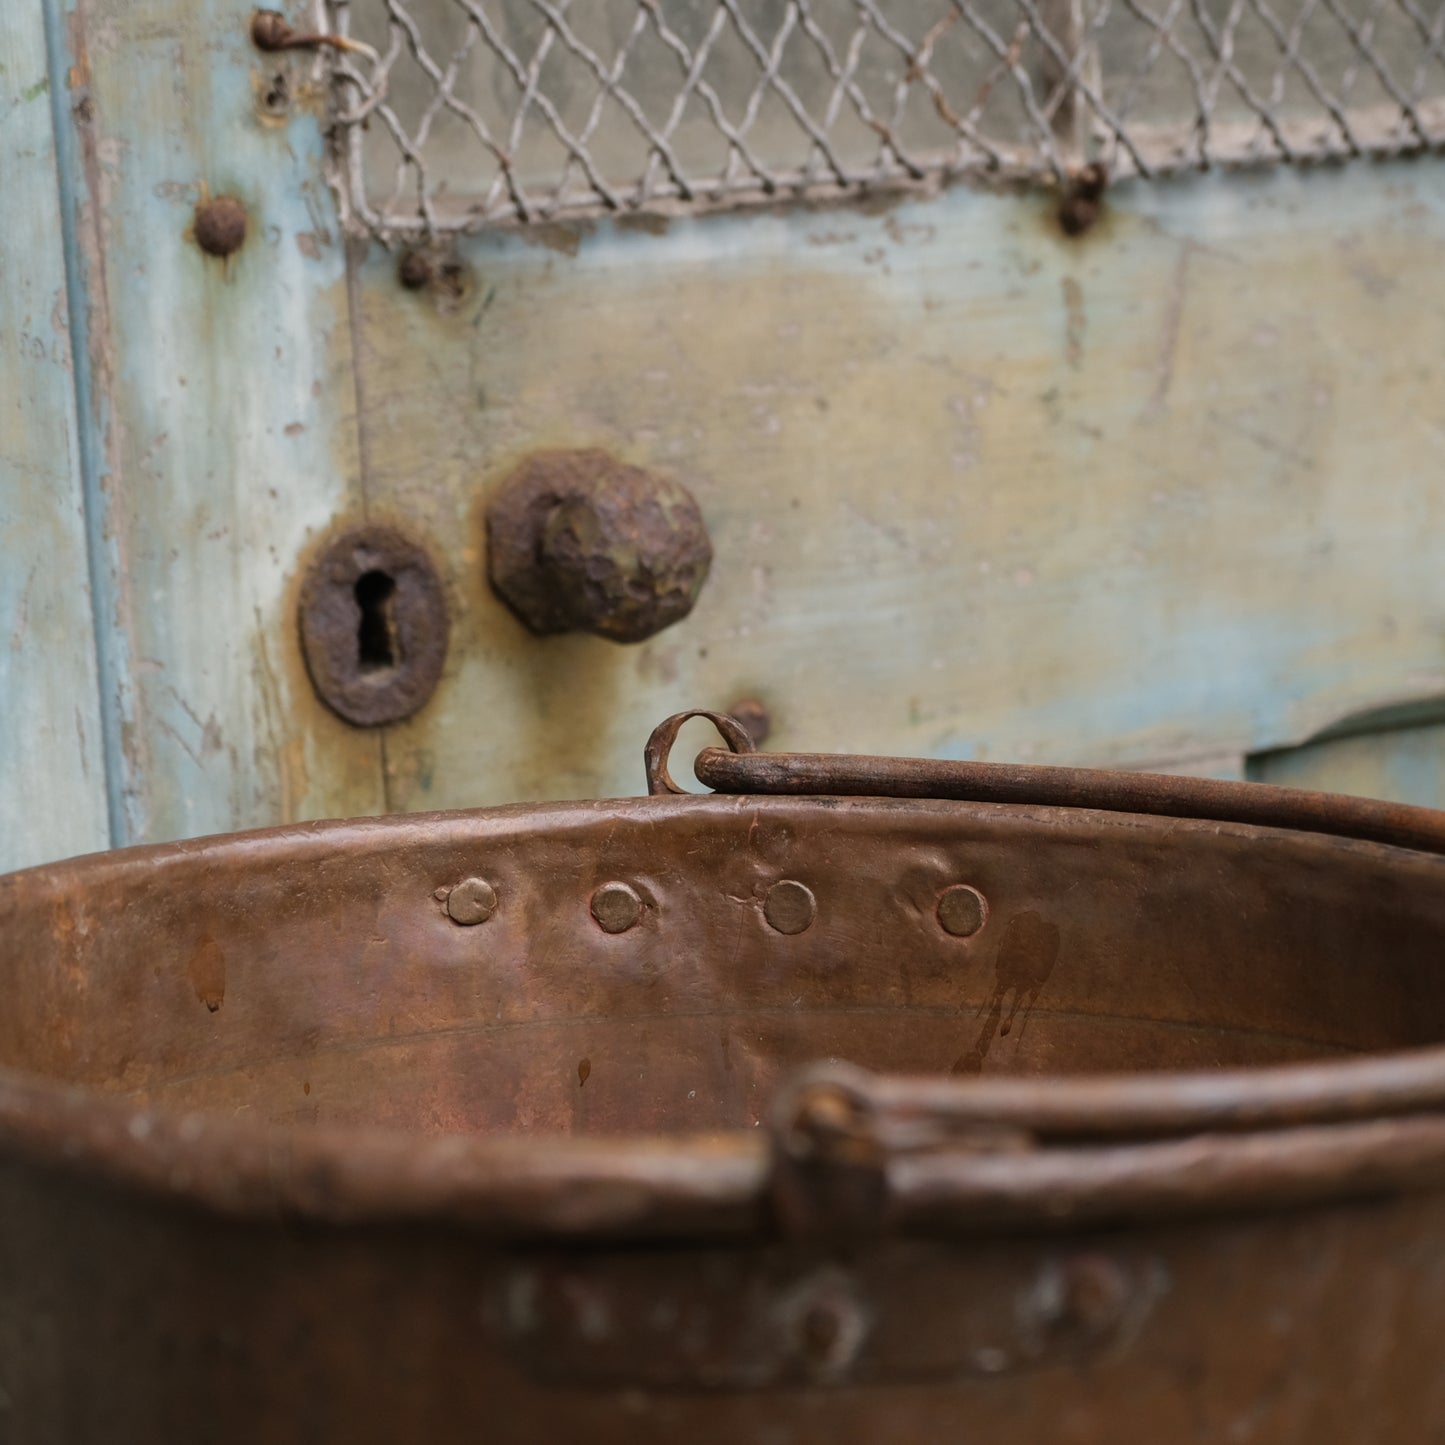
(531, 1124)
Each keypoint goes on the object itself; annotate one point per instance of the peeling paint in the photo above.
(176, 358)
(52, 791)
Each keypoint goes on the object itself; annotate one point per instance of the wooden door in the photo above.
(1160, 489)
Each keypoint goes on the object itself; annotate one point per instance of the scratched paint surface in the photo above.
(52, 799)
(225, 414)
(1162, 496)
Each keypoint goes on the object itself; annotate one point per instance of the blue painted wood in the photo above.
(220, 415)
(52, 783)
(976, 489)
(1165, 493)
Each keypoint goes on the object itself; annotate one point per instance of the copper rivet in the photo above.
(790, 907)
(616, 907)
(962, 910)
(472, 901)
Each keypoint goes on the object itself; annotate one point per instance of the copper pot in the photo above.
(1113, 1115)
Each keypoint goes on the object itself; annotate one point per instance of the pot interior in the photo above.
(316, 975)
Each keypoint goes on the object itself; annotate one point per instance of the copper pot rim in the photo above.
(1095, 1148)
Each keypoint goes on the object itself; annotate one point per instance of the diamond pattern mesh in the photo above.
(456, 115)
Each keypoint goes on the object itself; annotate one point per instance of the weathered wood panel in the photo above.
(1406, 765)
(1159, 496)
(52, 786)
(224, 420)
(1166, 493)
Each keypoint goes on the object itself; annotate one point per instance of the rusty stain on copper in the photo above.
(790, 906)
(1027, 953)
(220, 226)
(961, 910)
(374, 625)
(207, 972)
(578, 541)
(584, 1072)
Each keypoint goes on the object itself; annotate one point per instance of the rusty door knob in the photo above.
(578, 541)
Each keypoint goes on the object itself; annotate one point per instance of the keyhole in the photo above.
(376, 634)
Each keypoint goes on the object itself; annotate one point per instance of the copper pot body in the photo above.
(1150, 1147)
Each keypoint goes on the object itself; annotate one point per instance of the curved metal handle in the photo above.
(1260, 805)
(659, 746)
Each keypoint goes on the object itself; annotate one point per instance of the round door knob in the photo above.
(578, 541)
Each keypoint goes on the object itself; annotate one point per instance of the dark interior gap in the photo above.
(376, 634)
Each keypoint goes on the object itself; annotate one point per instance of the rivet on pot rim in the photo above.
(790, 906)
(616, 907)
(474, 900)
(962, 910)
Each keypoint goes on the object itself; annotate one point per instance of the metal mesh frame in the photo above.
(466, 114)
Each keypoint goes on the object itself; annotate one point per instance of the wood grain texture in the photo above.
(224, 417)
(52, 785)
(1162, 495)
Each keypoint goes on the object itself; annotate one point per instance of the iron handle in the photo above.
(739, 769)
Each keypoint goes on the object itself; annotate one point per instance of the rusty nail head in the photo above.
(1083, 200)
(443, 275)
(616, 907)
(220, 226)
(374, 625)
(415, 270)
(578, 541)
(962, 910)
(1088, 1294)
(473, 900)
(790, 906)
(753, 716)
(269, 30)
(829, 1328)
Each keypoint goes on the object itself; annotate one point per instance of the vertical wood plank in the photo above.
(224, 412)
(52, 784)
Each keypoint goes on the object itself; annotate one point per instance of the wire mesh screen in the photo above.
(460, 114)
